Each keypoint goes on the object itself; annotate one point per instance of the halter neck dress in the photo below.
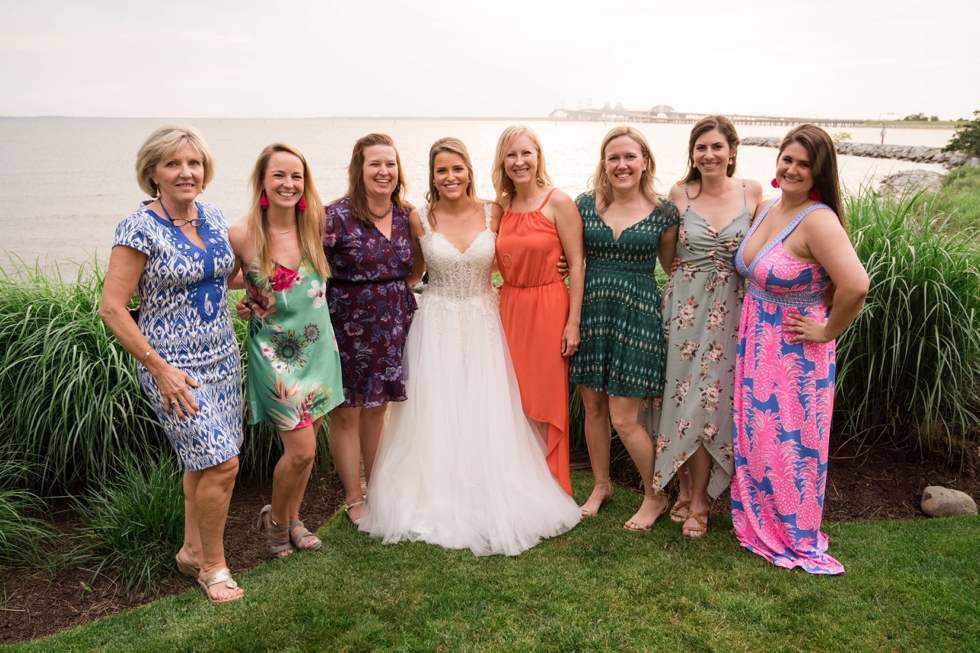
(784, 400)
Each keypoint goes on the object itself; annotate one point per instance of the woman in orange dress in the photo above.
(539, 312)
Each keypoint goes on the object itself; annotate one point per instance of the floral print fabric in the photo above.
(702, 305)
(371, 305)
(783, 405)
(184, 316)
(293, 361)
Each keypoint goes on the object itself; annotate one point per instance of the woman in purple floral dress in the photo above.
(370, 251)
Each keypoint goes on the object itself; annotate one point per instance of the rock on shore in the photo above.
(918, 153)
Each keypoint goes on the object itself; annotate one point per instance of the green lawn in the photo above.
(910, 586)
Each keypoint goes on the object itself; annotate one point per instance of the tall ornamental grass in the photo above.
(23, 534)
(134, 523)
(71, 408)
(909, 366)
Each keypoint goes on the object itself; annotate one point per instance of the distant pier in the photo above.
(666, 114)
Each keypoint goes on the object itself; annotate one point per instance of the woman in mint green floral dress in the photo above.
(293, 378)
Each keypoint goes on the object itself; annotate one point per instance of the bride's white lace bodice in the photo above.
(454, 274)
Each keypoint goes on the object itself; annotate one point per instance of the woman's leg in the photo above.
(345, 448)
(372, 423)
(598, 438)
(207, 504)
(679, 512)
(624, 412)
(699, 465)
(293, 472)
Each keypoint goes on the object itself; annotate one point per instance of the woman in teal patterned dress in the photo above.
(628, 226)
(294, 375)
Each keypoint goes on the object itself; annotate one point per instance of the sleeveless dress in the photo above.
(783, 405)
(370, 302)
(184, 316)
(702, 306)
(293, 363)
(534, 310)
(459, 464)
(622, 350)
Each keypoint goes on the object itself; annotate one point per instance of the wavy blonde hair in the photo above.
(309, 222)
(600, 180)
(502, 184)
(452, 146)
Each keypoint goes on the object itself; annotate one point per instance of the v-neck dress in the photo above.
(371, 305)
(702, 306)
(184, 316)
(293, 373)
(622, 349)
(784, 400)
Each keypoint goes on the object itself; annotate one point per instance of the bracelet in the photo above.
(146, 356)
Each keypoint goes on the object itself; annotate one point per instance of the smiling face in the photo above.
(624, 163)
(283, 181)
(380, 170)
(711, 153)
(180, 176)
(521, 160)
(450, 175)
(793, 171)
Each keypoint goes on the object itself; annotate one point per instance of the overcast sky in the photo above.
(509, 58)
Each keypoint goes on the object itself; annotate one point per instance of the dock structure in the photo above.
(667, 114)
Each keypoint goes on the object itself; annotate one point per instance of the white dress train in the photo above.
(459, 464)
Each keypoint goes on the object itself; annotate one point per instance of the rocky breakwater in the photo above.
(917, 153)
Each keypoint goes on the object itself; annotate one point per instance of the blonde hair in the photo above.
(164, 142)
(503, 184)
(355, 178)
(600, 180)
(309, 222)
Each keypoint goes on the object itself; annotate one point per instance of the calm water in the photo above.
(66, 182)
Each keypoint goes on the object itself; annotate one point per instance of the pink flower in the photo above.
(284, 279)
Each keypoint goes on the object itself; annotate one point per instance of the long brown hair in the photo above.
(355, 178)
(600, 180)
(820, 148)
(501, 182)
(309, 222)
(703, 126)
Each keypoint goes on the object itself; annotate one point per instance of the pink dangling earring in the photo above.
(815, 194)
(774, 184)
(301, 204)
(263, 201)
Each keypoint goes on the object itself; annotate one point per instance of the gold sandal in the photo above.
(675, 514)
(702, 526)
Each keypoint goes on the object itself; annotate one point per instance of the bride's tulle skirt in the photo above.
(459, 464)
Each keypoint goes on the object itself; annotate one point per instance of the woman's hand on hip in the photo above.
(804, 329)
(174, 388)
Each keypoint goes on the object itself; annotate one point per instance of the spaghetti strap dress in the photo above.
(293, 374)
(702, 307)
(534, 308)
(784, 399)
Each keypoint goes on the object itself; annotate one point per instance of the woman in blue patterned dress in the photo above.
(174, 253)
(293, 376)
(370, 250)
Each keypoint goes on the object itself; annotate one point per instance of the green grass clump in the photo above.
(134, 524)
(909, 586)
(23, 535)
(71, 408)
(958, 200)
(909, 366)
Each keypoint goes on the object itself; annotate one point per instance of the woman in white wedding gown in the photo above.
(459, 464)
